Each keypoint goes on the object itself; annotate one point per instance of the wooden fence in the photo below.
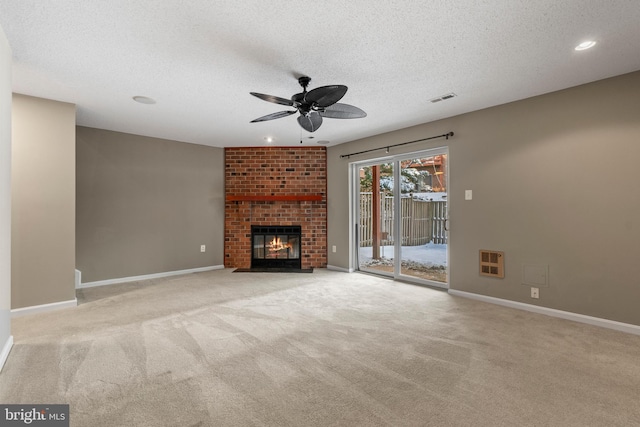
(422, 221)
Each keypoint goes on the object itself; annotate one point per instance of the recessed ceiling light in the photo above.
(585, 45)
(268, 139)
(144, 100)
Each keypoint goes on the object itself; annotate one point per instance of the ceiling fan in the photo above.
(313, 105)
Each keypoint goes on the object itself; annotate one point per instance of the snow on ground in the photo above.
(435, 197)
(429, 254)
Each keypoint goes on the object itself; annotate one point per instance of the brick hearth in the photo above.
(276, 186)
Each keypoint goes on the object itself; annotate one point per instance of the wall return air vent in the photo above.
(492, 263)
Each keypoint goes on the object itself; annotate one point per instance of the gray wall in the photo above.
(43, 202)
(5, 194)
(555, 182)
(145, 205)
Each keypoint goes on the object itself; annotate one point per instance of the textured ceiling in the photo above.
(199, 59)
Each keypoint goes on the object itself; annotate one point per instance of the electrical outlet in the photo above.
(535, 293)
(333, 249)
(203, 248)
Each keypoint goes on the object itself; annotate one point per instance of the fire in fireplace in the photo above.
(275, 247)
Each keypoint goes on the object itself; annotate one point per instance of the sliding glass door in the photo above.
(376, 211)
(402, 217)
(423, 209)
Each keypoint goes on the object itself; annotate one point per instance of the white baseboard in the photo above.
(595, 321)
(6, 349)
(17, 312)
(149, 276)
(335, 268)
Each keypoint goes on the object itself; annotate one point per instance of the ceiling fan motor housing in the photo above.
(298, 98)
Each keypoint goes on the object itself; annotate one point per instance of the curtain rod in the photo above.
(444, 135)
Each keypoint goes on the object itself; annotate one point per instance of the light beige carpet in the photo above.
(322, 349)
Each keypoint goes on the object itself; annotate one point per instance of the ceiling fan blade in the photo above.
(310, 122)
(274, 99)
(272, 116)
(342, 111)
(324, 96)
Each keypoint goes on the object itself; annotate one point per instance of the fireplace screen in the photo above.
(275, 246)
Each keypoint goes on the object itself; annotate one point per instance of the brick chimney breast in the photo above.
(275, 186)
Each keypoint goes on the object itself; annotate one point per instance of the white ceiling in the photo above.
(199, 59)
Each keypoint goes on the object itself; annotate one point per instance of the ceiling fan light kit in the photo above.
(313, 106)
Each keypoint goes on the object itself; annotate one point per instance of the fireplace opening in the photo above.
(276, 247)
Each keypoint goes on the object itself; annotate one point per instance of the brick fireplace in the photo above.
(275, 186)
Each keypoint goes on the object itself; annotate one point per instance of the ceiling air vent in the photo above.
(443, 97)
